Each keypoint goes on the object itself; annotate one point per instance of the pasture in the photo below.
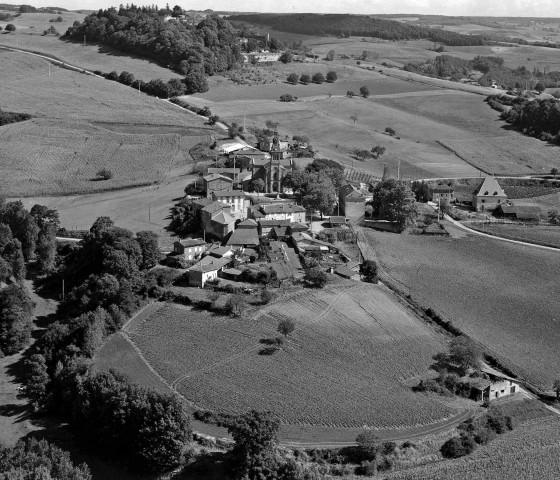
(531, 451)
(83, 124)
(347, 363)
(543, 234)
(502, 294)
(28, 36)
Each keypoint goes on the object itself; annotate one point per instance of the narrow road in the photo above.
(518, 242)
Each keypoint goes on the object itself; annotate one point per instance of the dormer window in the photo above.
(486, 192)
(495, 193)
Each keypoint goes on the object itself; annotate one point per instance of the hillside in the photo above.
(356, 25)
(75, 131)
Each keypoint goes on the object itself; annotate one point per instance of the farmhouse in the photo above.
(216, 182)
(205, 270)
(190, 248)
(238, 201)
(352, 201)
(442, 192)
(220, 252)
(492, 384)
(489, 195)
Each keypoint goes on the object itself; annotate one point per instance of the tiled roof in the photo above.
(274, 223)
(209, 264)
(191, 242)
(216, 176)
(489, 188)
(244, 237)
(298, 227)
(280, 231)
(343, 271)
(283, 208)
(230, 193)
(215, 206)
(203, 202)
(247, 223)
(222, 218)
(336, 219)
(219, 251)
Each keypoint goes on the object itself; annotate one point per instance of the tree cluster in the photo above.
(306, 79)
(39, 459)
(10, 117)
(359, 25)
(193, 50)
(147, 428)
(393, 200)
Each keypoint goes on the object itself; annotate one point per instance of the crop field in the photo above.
(531, 451)
(84, 124)
(39, 158)
(545, 234)
(29, 36)
(504, 295)
(506, 155)
(348, 359)
(548, 202)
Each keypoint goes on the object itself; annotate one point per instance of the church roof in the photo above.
(490, 188)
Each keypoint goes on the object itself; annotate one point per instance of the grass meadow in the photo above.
(82, 124)
(502, 294)
(28, 35)
(543, 234)
(347, 363)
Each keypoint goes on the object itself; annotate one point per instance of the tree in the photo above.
(256, 437)
(266, 296)
(293, 78)
(149, 245)
(236, 305)
(320, 194)
(195, 82)
(15, 319)
(368, 445)
(350, 94)
(539, 87)
(329, 168)
(36, 379)
(10, 27)
(362, 154)
(331, 76)
(318, 78)
(393, 200)
(305, 79)
(46, 248)
(464, 354)
(354, 117)
(554, 171)
(286, 327)
(258, 185)
(286, 57)
(369, 271)
(390, 131)
(330, 55)
(369, 210)
(105, 174)
(39, 460)
(364, 91)
(316, 276)
(213, 119)
(113, 76)
(175, 88)
(378, 151)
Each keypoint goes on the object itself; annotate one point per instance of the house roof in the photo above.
(215, 206)
(223, 218)
(191, 242)
(297, 227)
(490, 188)
(229, 193)
(283, 208)
(522, 211)
(344, 271)
(495, 373)
(231, 147)
(274, 223)
(232, 271)
(235, 171)
(280, 231)
(203, 202)
(337, 219)
(249, 223)
(244, 236)
(219, 251)
(215, 176)
(209, 264)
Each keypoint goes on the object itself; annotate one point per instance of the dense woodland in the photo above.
(357, 25)
(207, 48)
(492, 68)
(536, 117)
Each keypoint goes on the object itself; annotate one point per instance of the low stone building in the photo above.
(492, 384)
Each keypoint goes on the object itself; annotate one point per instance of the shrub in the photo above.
(332, 76)
(318, 78)
(293, 78)
(305, 79)
(364, 91)
(105, 174)
(458, 447)
(287, 98)
(113, 76)
(266, 296)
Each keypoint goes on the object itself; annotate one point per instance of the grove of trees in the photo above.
(393, 200)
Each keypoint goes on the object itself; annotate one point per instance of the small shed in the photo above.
(231, 274)
(337, 221)
(345, 272)
(492, 385)
(530, 214)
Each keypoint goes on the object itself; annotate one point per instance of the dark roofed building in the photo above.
(265, 226)
(243, 238)
(248, 224)
(442, 192)
(336, 221)
(215, 182)
(521, 213)
(280, 233)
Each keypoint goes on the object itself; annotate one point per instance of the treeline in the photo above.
(539, 117)
(10, 117)
(493, 69)
(207, 48)
(357, 25)
(24, 236)
(108, 277)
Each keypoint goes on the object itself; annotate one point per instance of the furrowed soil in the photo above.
(503, 295)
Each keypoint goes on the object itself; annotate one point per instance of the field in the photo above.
(543, 234)
(531, 451)
(353, 353)
(83, 124)
(28, 35)
(502, 294)
(506, 155)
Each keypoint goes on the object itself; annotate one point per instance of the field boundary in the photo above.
(448, 148)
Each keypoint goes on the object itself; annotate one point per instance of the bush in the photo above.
(287, 98)
(10, 27)
(318, 78)
(458, 447)
(105, 174)
(364, 91)
(305, 79)
(266, 296)
(316, 276)
(331, 76)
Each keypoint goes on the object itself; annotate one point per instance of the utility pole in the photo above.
(49, 69)
(399, 170)
(62, 288)
(85, 40)
(149, 214)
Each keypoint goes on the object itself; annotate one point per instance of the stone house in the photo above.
(492, 385)
(205, 270)
(216, 220)
(216, 182)
(352, 201)
(283, 211)
(190, 248)
(488, 196)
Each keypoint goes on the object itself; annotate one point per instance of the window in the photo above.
(495, 193)
(483, 200)
(486, 192)
(512, 389)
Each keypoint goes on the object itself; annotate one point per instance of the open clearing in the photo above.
(531, 451)
(29, 36)
(349, 358)
(83, 124)
(504, 295)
